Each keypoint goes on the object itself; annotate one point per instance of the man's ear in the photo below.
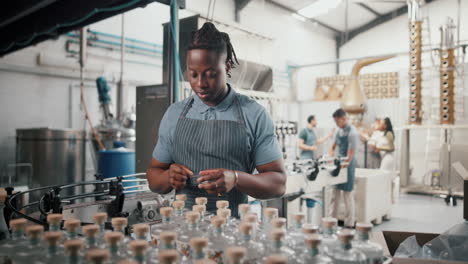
(228, 68)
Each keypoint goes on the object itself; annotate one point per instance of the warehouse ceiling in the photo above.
(27, 22)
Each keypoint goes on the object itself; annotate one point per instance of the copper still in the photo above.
(447, 73)
(415, 72)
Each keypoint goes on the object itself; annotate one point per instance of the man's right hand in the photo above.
(313, 148)
(178, 175)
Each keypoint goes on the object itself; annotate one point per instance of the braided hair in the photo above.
(210, 38)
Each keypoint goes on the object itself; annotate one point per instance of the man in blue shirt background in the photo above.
(308, 141)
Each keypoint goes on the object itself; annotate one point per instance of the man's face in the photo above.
(313, 122)
(206, 72)
(341, 122)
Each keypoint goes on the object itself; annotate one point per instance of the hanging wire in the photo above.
(208, 11)
(213, 9)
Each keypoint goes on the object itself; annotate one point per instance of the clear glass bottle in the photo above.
(170, 256)
(54, 221)
(55, 253)
(203, 201)
(265, 229)
(90, 233)
(295, 232)
(98, 256)
(231, 225)
(141, 231)
(252, 218)
(34, 248)
(198, 248)
(166, 225)
(72, 228)
(312, 254)
(329, 239)
(222, 204)
(73, 250)
(345, 254)
(167, 241)
(179, 211)
(181, 197)
(218, 240)
(255, 251)
(275, 259)
(17, 242)
(100, 220)
(204, 217)
(139, 251)
(244, 209)
(4, 233)
(373, 251)
(190, 230)
(113, 240)
(119, 224)
(277, 246)
(236, 255)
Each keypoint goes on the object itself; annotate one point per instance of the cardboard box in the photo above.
(390, 240)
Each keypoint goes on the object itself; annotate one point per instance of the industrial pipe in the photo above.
(447, 73)
(415, 72)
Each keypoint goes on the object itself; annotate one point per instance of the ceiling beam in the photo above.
(292, 11)
(370, 9)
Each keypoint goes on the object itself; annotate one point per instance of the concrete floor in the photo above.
(419, 213)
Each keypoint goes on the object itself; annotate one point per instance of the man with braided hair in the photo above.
(210, 143)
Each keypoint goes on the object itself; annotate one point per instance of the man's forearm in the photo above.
(158, 180)
(265, 185)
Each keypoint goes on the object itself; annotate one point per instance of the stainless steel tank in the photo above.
(56, 155)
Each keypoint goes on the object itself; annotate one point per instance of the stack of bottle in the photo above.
(195, 236)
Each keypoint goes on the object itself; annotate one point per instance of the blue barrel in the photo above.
(117, 162)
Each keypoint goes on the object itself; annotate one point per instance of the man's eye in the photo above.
(194, 75)
(212, 74)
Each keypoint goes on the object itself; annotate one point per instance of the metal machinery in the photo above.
(447, 73)
(415, 72)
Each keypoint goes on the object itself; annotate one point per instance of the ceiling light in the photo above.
(318, 8)
(299, 17)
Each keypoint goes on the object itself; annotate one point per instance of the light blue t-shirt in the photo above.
(261, 140)
(309, 137)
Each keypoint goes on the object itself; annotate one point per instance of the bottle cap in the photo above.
(181, 197)
(141, 229)
(245, 228)
(279, 222)
(222, 204)
(113, 237)
(364, 227)
(329, 222)
(192, 216)
(217, 221)
(119, 222)
(199, 243)
(203, 261)
(168, 236)
(100, 218)
(3, 195)
(236, 254)
(52, 237)
(313, 240)
(166, 211)
(54, 219)
(224, 212)
(18, 224)
(310, 229)
(98, 255)
(276, 259)
(345, 235)
(251, 218)
(299, 217)
(277, 234)
(199, 208)
(72, 225)
(168, 256)
(34, 231)
(178, 205)
(244, 208)
(90, 230)
(271, 212)
(138, 247)
(73, 246)
(201, 200)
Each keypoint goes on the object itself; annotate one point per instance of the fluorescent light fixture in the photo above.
(319, 7)
(299, 17)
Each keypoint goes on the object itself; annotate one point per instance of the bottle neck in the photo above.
(166, 220)
(246, 238)
(72, 234)
(52, 249)
(179, 212)
(34, 241)
(114, 249)
(102, 228)
(198, 255)
(298, 225)
(276, 244)
(164, 246)
(346, 246)
(140, 258)
(142, 237)
(313, 251)
(219, 230)
(91, 241)
(17, 234)
(192, 225)
(73, 259)
(363, 236)
(329, 231)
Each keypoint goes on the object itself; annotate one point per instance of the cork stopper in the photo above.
(127, 261)
(222, 204)
(3, 195)
(74, 246)
(364, 227)
(100, 218)
(34, 231)
(192, 216)
(72, 225)
(203, 261)
(329, 222)
(90, 230)
(201, 200)
(236, 254)
(217, 221)
(271, 212)
(310, 229)
(313, 240)
(199, 243)
(299, 218)
(179, 205)
(181, 197)
(168, 236)
(113, 237)
(52, 237)
(279, 222)
(199, 208)
(277, 234)
(168, 256)
(98, 255)
(18, 224)
(245, 228)
(166, 211)
(276, 259)
(141, 229)
(224, 212)
(138, 247)
(244, 208)
(119, 222)
(54, 219)
(345, 235)
(251, 218)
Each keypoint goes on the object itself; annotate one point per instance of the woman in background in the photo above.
(370, 137)
(385, 145)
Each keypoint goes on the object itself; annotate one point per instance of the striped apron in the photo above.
(212, 144)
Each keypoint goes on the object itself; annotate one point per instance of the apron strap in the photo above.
(240, 116)
(187, 107)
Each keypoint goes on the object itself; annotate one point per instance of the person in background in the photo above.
(346, 140)
(308, 141)
(370, 137)
(385, 145)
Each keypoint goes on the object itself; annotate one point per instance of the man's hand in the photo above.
(178, 175)
(313, 148)
(220, 180)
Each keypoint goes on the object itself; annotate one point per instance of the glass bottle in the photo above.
(54, 251)
(231, 225)
(181, 197)
(179, 210)
(90, 233)
(17, 242)
(166, 224)
(276, 259)
(72, 227)
(168, 256)
(269, 214)
(98, 256)
(218, 240)
(236, 255)
(373, 251)
(138, 249)
(307, 229)
(190, 230)
(203, 201)
(295, 231)
(198, 248)
(167, 241)
(255, 250)
(204, 217)
(100, 220)
(277, 246)
(4, 233)
(140, 231)
(54, 221)
(345, 254)
(253, 219)
(222, 204)
(73, 249)
(34, 248)
(113, 240)
(312, 254)
(244, 209)
(119, 224)
(329, 239)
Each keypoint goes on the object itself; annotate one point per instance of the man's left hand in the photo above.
(220, 180)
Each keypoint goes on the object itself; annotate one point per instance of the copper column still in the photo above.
(353, 100)
(447, 73)
(415, 72)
